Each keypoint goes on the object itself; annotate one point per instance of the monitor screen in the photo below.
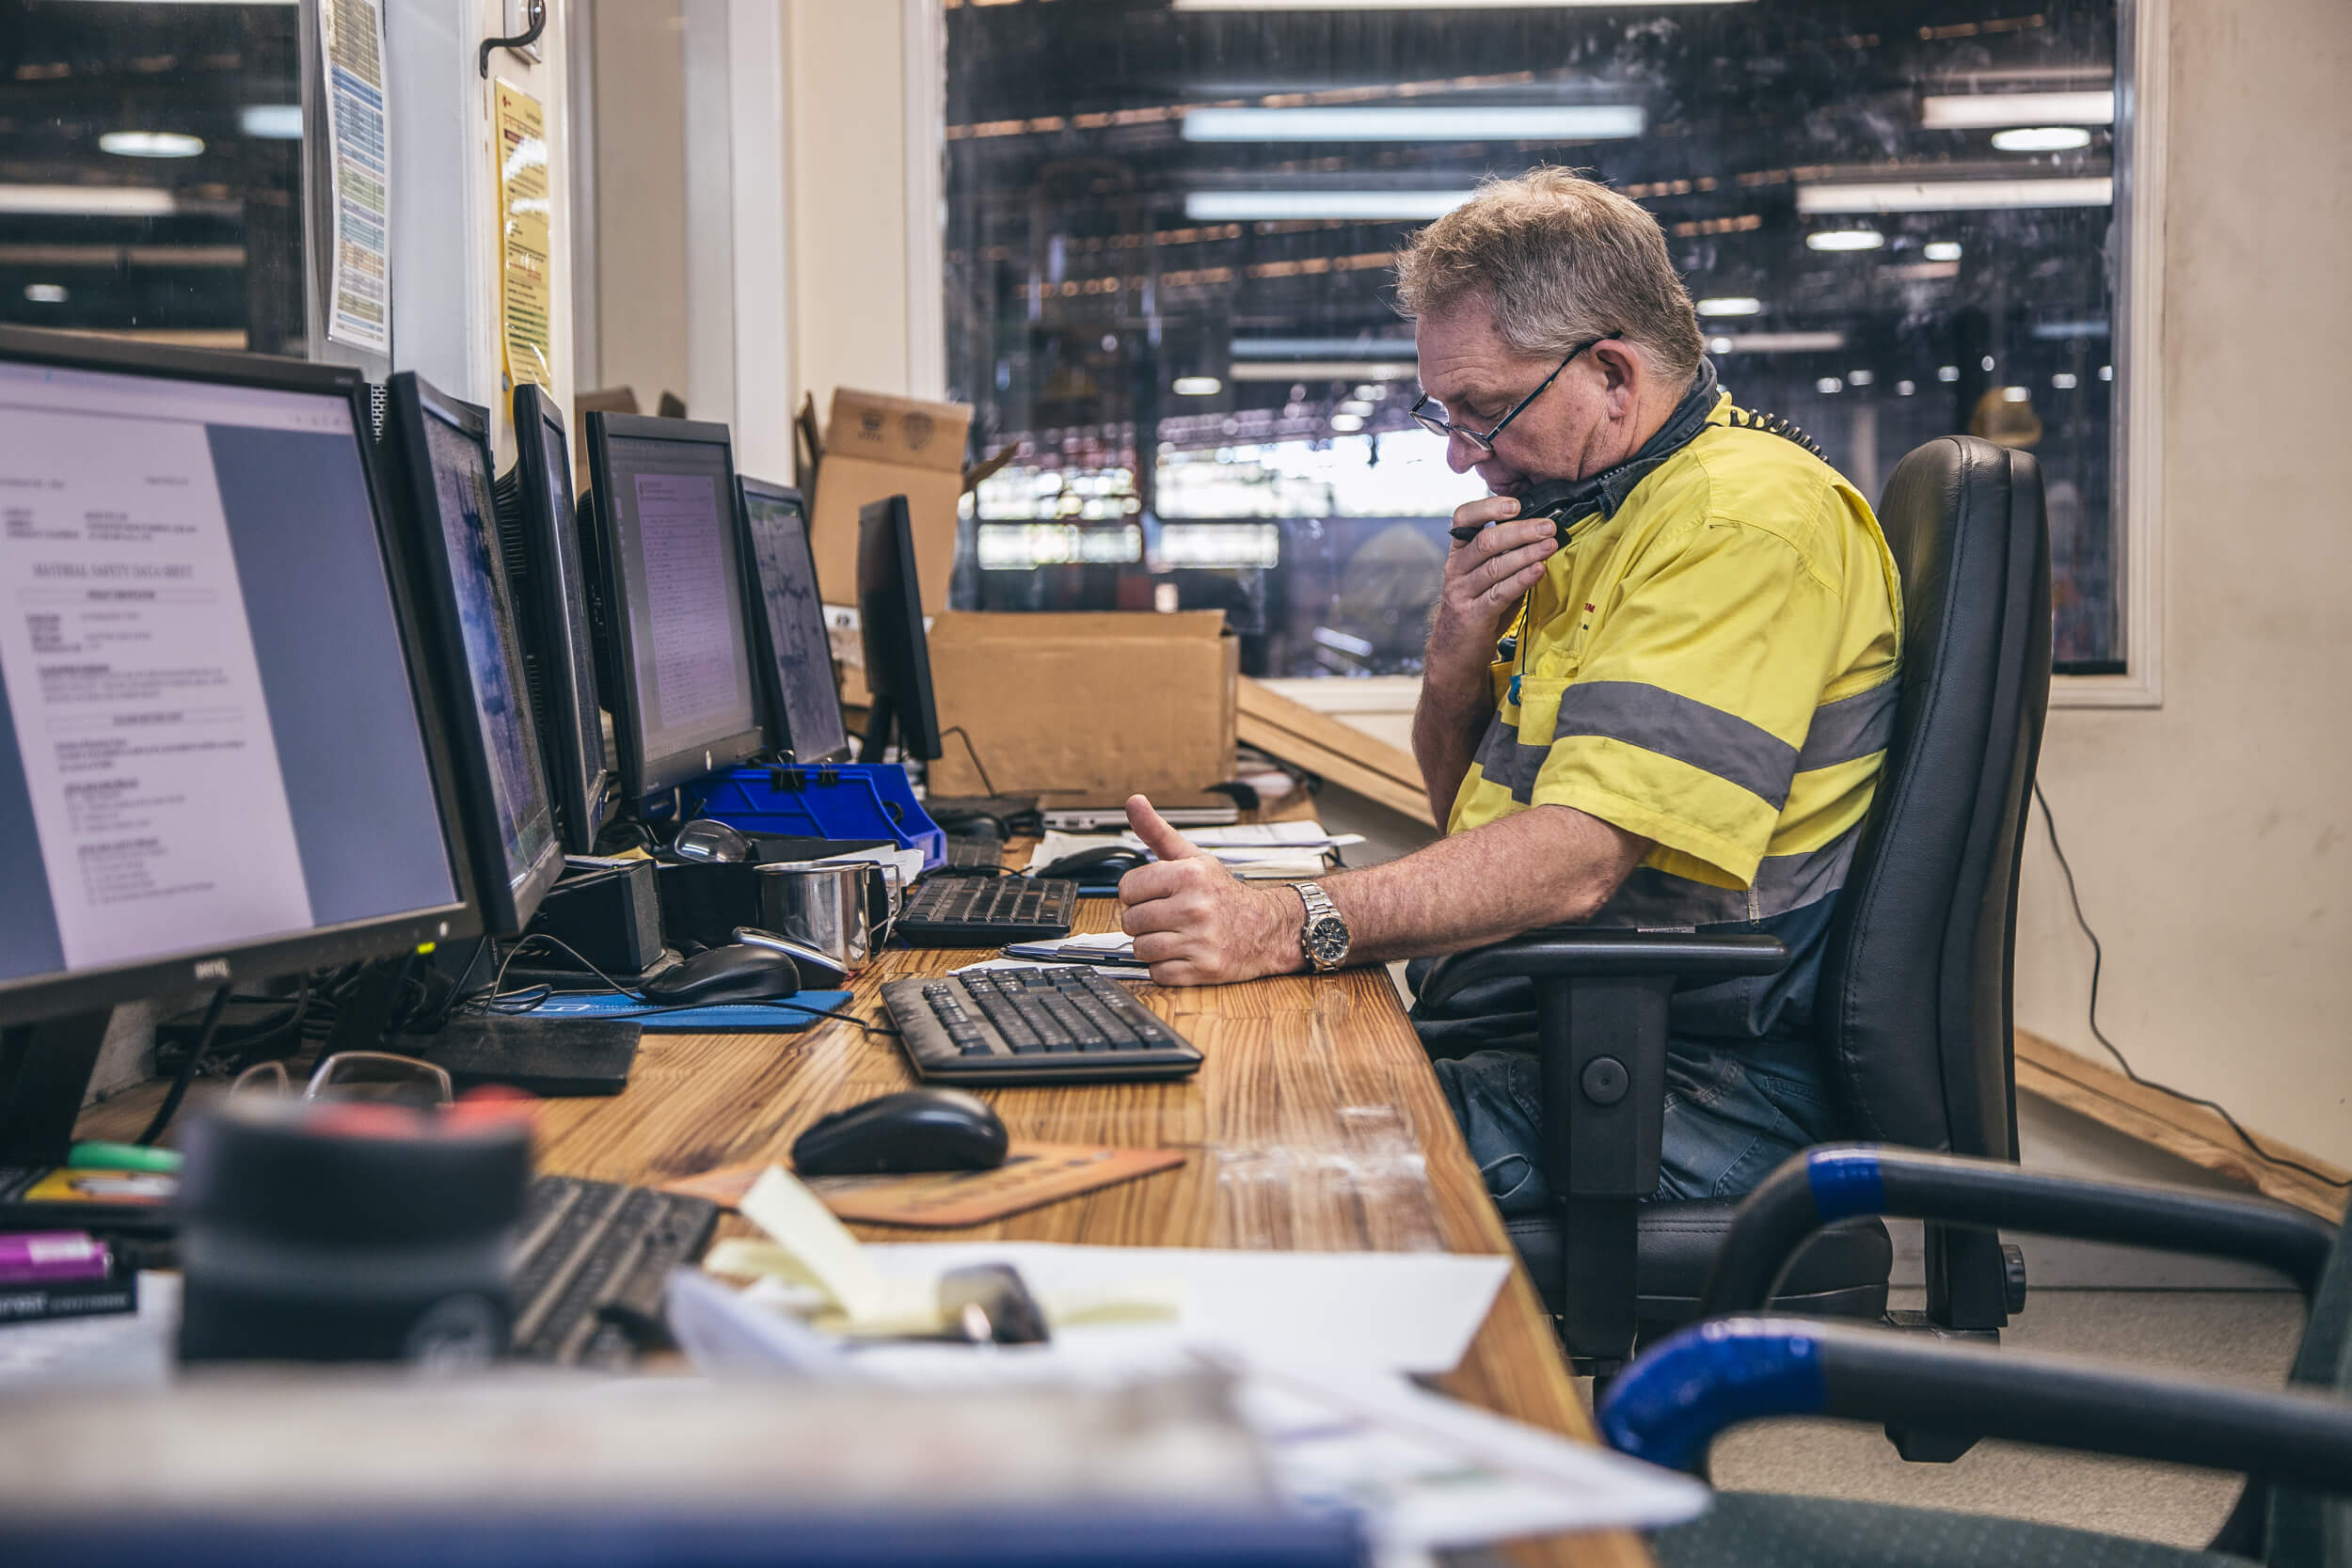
(684, 704)
(542, 557)
(213, 741)
(898, 648)
(800, 655)
(476, 608)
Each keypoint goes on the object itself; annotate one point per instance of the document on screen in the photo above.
(136, 694)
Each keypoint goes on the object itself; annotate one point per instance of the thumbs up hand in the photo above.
(1194, 922)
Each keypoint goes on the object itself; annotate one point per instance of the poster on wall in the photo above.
(359, 291)
(523, 314)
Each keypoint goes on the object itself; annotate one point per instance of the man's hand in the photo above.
(1194, 922)
(1485, 577)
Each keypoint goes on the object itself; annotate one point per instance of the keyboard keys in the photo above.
(986, 911)
(1032, 1024)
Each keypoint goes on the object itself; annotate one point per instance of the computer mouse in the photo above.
(1105, 863)
(819, 971)
(707, 841)
(912, 1129)
(739, 973)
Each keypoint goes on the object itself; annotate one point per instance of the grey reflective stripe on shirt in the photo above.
(1505, 762)
(1655, 898)
(1683, 728)
(1851, 727)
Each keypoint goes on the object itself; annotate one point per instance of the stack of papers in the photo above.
(1270, 851)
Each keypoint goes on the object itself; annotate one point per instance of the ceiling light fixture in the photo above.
(271, 121)
(1730, 305)
(1991, 110)
(1299, 370)
(1844, 239)
(1291, 206)
(1348, 423)
(2065, 381)
(1322, 348)
(1414, 4)
(151, 144)
(1777, 342)
(1196, 386)
(1829, 385)
(1953, 195)
(1532, 122)
(1904, 389)
(1941, 250)
(89, 200)
(2042, 139)
(45, 293)
(1860, 378)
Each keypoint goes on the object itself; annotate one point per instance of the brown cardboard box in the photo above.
(878, 446)
(1098, 704)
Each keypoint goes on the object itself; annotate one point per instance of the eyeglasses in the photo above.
(1431, 416)
(354, 1075)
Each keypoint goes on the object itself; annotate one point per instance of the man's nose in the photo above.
(1462, 454)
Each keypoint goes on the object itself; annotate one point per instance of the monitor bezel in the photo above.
(770, 674)
(582, 818)
(643, 777)
(409, 400)
(32, 998)
(916, 708)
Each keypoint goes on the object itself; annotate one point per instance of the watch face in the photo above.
(1326, 939)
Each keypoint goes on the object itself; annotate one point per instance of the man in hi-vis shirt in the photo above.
(1670, 713)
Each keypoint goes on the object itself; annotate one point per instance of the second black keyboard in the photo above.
(985, 912)
(1048, 1024)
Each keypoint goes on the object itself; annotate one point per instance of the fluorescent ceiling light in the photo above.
(2065, 381)
(1730, 305)
(2050, 332)
(1844, 239)
(1941, 250)
(1979, 111)
(1282, 206)
(1776, 342)
(45, 293)
(1321, 348)
(1347, 423)
(271, 121)
(1361, 407)
(1422, 4)
(1196, 386)
(2042, 139)
(1534, 122)
(1829, 385)
(1860, 378)
(151, 144)
(89, 200)
(1953, 195)
(1325, 370)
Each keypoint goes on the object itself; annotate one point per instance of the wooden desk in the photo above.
(1315, 1124)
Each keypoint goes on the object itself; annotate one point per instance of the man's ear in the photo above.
(1623, 375)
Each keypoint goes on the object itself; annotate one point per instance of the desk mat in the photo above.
(1032, 1176)
(800, 1012)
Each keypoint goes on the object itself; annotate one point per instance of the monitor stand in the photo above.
(45, 1072)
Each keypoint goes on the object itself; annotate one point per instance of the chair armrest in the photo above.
(1670, 1403)
(1578, 952)
(1842, 1180)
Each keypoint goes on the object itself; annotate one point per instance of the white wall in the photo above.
(2209, 835)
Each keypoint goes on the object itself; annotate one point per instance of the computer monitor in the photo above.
(544, 571)
(219, 741)
(897, 654)
(669, 610)
(438, 453)
(792, 654)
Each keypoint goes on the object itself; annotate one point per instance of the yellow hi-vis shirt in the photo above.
(1714, 668)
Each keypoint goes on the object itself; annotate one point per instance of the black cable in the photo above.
(970, 751)
(170, 1107)
(2098, 959)
(650, 1009)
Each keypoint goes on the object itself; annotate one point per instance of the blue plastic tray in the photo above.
(765, 1017)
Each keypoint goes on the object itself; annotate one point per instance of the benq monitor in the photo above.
(897, 652)
(794, 655)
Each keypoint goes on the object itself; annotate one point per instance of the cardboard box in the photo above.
(1099, 704)
(878, 446)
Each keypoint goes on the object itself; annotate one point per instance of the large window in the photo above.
(1169, 224)
(150, 171)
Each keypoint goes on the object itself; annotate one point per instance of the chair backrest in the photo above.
(2306, 1530)
(1915, 997)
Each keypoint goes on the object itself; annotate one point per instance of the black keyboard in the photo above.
(974, 855)
(985, 912)
(594, 1260)
(1054, 1024)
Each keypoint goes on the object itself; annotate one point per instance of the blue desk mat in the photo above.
(766, 1017)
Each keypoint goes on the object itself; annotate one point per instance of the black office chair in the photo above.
(2294, 1447)
(1914, 1003)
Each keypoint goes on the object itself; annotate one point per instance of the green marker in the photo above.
(105, 1156)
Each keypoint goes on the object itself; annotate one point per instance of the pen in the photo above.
(110, 1156)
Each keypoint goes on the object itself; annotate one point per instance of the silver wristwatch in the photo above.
(1324, 936)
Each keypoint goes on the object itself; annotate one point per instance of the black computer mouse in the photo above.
(737, 973)
(913, 1130)
(1105, 863)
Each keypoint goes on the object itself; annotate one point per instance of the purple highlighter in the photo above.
(47, 1257)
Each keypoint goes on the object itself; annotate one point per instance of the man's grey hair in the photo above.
(1559, 260)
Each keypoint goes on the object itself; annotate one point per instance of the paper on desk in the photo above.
(810, 1242)
(1246, 859)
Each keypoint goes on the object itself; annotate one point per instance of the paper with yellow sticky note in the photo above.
(807, 1246)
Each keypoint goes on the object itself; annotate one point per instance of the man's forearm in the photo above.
(1448, 721)
(1546, 866)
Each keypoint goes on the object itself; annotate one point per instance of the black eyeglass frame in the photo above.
(1446, 430)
